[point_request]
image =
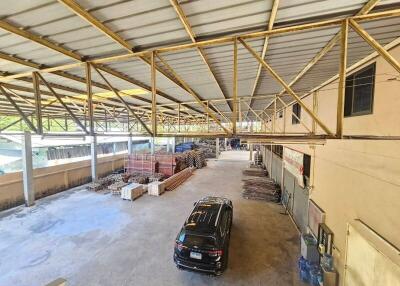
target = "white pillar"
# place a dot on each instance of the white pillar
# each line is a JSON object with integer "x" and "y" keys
{"x": 251, "y": 152}
{"x": 173, "y": 145}
{"x": 217, "y": 147}
{"x": 130, "y": 145}
{"x": 226, "y": 144}
{"x": 152, "y": 145}
{"x": 93, "y": 151}
{"x": 27, "y": 170}
{"x": 168, "y": 147}
{"x": 114, "y": 148}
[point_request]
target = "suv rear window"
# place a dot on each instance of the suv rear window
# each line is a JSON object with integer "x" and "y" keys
{"x": 199, "y": 240}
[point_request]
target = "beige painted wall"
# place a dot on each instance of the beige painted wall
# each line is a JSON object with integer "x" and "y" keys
{"x": 54, "y": 179}
{"x": 358, "y": 178}
{"x": 384, "y": 120}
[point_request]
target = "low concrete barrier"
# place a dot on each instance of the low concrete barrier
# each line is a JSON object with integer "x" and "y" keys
{"x": 54, "y": 179}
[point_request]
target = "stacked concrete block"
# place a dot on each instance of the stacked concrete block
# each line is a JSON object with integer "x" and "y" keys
{"x": 132, "y": 191}
{"x": 156, "y": 188}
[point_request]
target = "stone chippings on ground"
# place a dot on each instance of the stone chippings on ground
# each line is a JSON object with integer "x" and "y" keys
{"x": 97, "y": 239}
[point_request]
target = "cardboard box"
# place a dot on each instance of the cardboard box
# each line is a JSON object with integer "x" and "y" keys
{"x": 330, "y": 277}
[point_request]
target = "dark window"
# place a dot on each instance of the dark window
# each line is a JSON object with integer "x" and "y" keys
{"x": 278, "y": 150}
{"x": 306, "y": 165}
{"x": 224, "y": 222}
{"x": 307, "y": 169}
{"x": 296, "y": 109}
{"x": 360, "y": 92}
{"x": 280, "y": 114}
{"x": 190, "y": 240}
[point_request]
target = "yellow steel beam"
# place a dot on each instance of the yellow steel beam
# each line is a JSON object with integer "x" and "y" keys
{"x": 192, "y": 35}
{"x": 18, "y": 109}
{"x": 235, "y": 86}
{"x": 287, "y": 88}
{"x": 56, "y": 70}
{"x": 40, "y": 40}
{"x": 80, "y": 11}
{"x": 123, "y": 101}
{"x": 194, "y": 95}
{"x": 298, "y": 118}
{"x": 216, "y": 41}
{"x": 58, "y": 97}
{"x": 342, "y": 78}
{"x": 85, "y": 15}
{"x": 332, "y": 42}
{"x": 373, "y": 43}
{"x": 271, "y": 22}
{"x": 38, "y": 102}
{"x": 88, "y": 72}
{"x": 153, "y": 95}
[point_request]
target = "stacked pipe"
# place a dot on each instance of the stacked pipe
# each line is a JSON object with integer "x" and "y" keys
{"x": 176, "y": 180}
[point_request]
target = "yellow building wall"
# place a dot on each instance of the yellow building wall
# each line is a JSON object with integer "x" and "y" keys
{"x": 357, "y": 178}
{"x": 54, "y": 179}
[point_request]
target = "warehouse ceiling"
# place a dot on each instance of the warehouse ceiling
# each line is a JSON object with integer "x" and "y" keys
{"x": 39, "y": 34}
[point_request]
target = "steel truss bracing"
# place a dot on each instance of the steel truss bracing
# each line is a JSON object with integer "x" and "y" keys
{"x": 53, "y": 106}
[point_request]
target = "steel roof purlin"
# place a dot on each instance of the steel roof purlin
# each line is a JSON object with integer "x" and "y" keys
{"x": 203, "y": 70}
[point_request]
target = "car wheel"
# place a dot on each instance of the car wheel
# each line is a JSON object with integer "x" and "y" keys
{"x": 218, "y": 273}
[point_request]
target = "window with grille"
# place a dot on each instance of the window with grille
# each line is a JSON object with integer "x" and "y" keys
{"x": 296, "y": 115}
{"x": 359, "y": 95}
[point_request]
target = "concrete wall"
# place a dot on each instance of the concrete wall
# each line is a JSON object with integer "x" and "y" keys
{"x": 54, "y": 179}
{"x": 357, "y": 178}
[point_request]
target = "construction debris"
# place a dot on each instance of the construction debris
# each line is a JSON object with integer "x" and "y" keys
{"x": 116, "y": 187}
{"x": 155, "y": 183}
{"x": 95, "y": 186}
{"x": 207, "y": 146}
{"x": 255, "y": 172}
{"x": 259, "y": 187}
{"x": 103, "y": 183}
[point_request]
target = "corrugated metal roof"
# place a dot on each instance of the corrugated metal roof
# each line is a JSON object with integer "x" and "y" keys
{"x": 148, "y": 24}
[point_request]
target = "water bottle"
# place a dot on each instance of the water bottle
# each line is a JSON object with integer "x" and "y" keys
{"x": 315, "y": 276}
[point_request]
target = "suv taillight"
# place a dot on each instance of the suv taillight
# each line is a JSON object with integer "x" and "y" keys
{"x": 215, "y": 253}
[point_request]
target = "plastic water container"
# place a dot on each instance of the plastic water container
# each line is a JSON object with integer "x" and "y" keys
{"x": 327, "y": 262}
{"x": 301, "y": 262}
{"x": 304, "y": 269}
{"x": 304, "y": 275}
{"x": 315, "y": 276}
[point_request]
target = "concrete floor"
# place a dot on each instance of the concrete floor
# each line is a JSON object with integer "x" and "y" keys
{"x": 96, "y": 239}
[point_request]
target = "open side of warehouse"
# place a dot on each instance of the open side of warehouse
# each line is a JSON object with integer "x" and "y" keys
{"x": 174, "y": 142}
{"x": 90, "y": 239}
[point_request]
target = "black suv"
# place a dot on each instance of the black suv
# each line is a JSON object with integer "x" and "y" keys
{"x": 203, "y": 242}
